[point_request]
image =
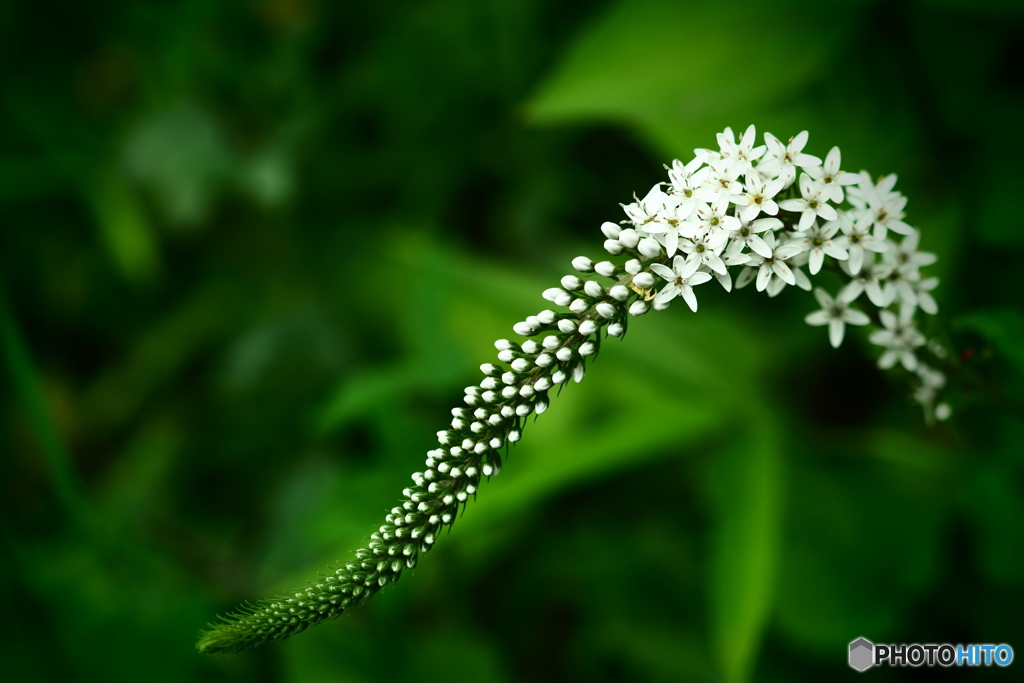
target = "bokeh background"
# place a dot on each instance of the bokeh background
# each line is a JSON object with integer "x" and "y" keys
{"x": 252, "y": 251}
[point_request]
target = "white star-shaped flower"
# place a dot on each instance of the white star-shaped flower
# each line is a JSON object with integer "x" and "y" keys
{"x": 872, "y": 278}
{"x": 715, "y": 216}
{"x": 732, "y": 256}
{"x": 812, "y": 203}
{"x": 758, "y": 196}
{"x": 724, "y": 178}
{"x": 818, "y": 242}
{"x": 672, "y": 223}
{"x": 742, "y": 152}
{"x": 783, "y": 160}
{"x": 867, "y": 194}
{"x": 774, "y": 263}
{"x": 829, "y": 175}
{"x": 858, "y": 240}
{"x": 836, "y": 313}
{"x": 649, "y": 209}
{"x": 690, "y": 180}
{"x": 899, "y": 338}
{"x": 905, "y": 255}
{"x": 922, "y": 292}
{"x": 681, "y": 278}
{"x": 704, "y": 249}
{"x": 747, "y": 233}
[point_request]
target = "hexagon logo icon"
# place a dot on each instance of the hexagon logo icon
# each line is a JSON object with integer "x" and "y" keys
{"x": 862, "y": 654}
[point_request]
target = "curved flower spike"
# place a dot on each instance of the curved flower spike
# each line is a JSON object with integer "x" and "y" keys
{"x": 705, "y": 223}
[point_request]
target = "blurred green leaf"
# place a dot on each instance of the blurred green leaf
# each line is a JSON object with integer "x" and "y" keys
{"x": 992, "y": 500}
{"x": 678, "y": 72}
{"x": 864, "y": 542}
{"x": 748, "y": 482}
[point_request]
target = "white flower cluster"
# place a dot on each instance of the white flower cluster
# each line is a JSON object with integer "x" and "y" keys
{"x": 762, "y": 213}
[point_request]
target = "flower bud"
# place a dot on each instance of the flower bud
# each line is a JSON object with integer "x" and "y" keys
{"x": 593, "y": 289}
{"x": 571, "y": 282}
{"x": 613, "y": 247}
{"x": 649, "y": 247}
{"x": 610, "y": 230}
{"x": 643, "y": 280}
{"x": 638, "y": 307}
{"x": 582, "y": 264}
{"x": 629, "y": 238}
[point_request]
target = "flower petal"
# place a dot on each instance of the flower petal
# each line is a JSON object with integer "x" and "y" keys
{"x": 664, "y": 272}
{"x": 690, "y": 298}
{"x": 817, "y": 318}
{"x": 783, "y": 271}
{"x": 835, "y": 332}
{"x": 759, "y": 246}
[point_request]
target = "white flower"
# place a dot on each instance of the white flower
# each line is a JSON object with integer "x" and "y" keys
{"x": 732, "y": 256}
{"x": 649, "y": 209}
{"x": 682, "y": 278}
{"x": 890, "y": 216}
{"x": 747, "y": 232}
{"x": 689, "y": 181}
{"x": 758, "y": 197}
{"x": 858, "y": 239}
{"x": 742, "y": 153}
{"x": 672, "y": 224}
{"x": 881, "y": 203}
{"x": 873, "y": 279}
{"x": 715, "y": 216}
{"x": 704, "y": 249}
{"x": 922, "y": 292}
{"x": 905, "y": 255}
{"x": 783, "y": 160}
{"x": 774, "y": 263}
{"x": 899, "y": 338}
{"x": 724, "y": 177}
{"x": 777, "y": 284}
{"x": 813, "y": 202}
{"x": 829, "y": 175}
{"x": 865, "y": 194}
{"x": 835, "y": 313}
{"x": 818, "y": 242}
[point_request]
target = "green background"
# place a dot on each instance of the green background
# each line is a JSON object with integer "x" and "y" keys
{"x": 250, "y": 252}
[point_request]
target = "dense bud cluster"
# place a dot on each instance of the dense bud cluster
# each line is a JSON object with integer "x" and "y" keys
{"x": 761, "y": 213}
